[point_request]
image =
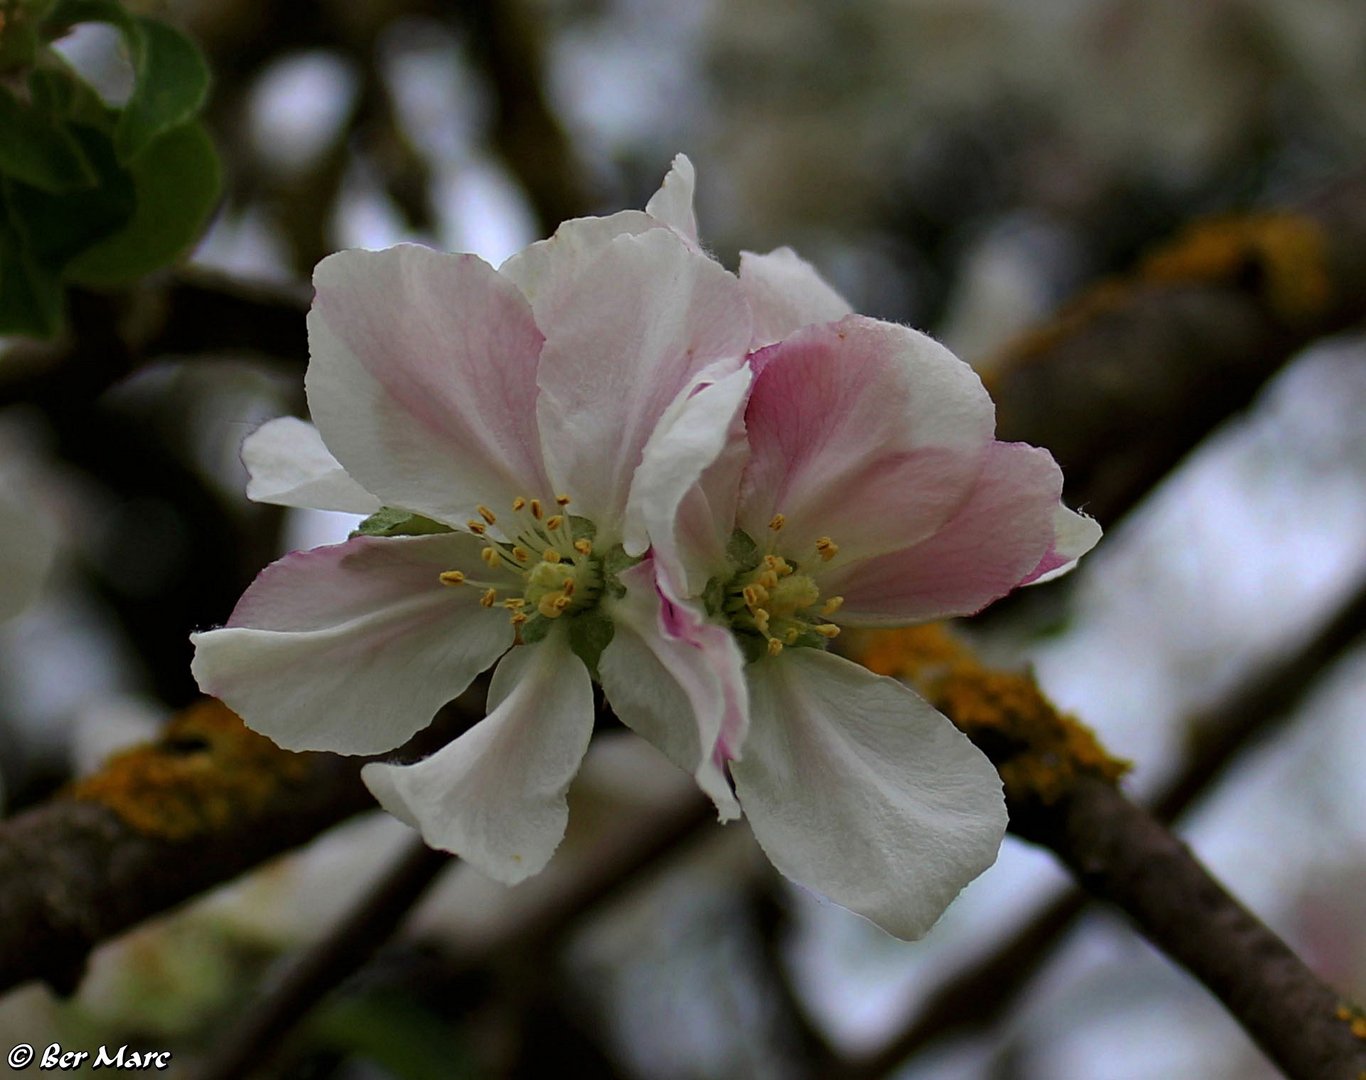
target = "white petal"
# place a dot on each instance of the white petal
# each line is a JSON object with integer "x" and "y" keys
{"x": 636, "y": 329}
{"x": 678, "y": 681}
{"x": 672, "y": 203}
{"x": 545, "y": 269}
{"x": 422, "y": 379}
{"x": 1073, "y": 536}
{"x": 288, "y": 465}
{"x": 786, "y": 293}
{"x": 858, "y": 789}
{"x": 496, "y": 795}
{"x": 682, "y": 500}
{"x": 352, "y": 648}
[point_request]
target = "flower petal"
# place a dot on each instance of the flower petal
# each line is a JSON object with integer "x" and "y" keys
{"x": 993, "y": 543}
{"x": 858, "y": 789}
{"x": 288, "y": 465}
{"x": 545, "y": 269}
{"x": 863, "y": 431}
{"x": 672, "y": 203}
{"x": 496, "y": 795}
{"x": 786, "y": 293}
{"x": 422, "y": 379}
{"x": 678, "y": 681}
{"x": 1073, "y": 536}
{"x": 352, "y": 648}
{"x": 635, "y": 330}
{"x": 682, "y": 501}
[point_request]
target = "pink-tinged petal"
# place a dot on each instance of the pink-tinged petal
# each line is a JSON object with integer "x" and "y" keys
{"x": 858, "y": 789}
{"x": 288, "y": 465}
{"x": 1073, "y": 536}
{"x": 636, "y": 329}
{"x": 422, "y": 379}
{"x": 352, "y": 648}
{"x": 863, "y": 431}
{"x": 496, "y": 795}
{"x": 545, "y": 269}
{"x": 989, "y": 547}
{"x": 678, "y": 681}
{"x": 672, "y": 203}
{"x": 682, "y": 501}
{"x": 785, "y": 293}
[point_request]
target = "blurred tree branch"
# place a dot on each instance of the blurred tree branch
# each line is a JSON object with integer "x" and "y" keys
{"x": 1136, "y": 371}
{"x": 1061, "y": 792}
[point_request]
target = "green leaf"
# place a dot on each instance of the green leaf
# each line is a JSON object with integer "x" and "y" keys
{"x": 30, "y": 298}
{"x": 175, "y": 185}
{"x": 389, "y": 521}
{"x": 39, "y": 150}
{"x": 56, "y": 227}
{"x": 400, "y": 1036}
{"x": 56, "y": 89}
{"x": 172, "y": 83}
{"x": 172, "y": 79}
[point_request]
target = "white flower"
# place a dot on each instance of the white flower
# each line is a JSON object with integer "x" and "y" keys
{"x": 492, "y": 422}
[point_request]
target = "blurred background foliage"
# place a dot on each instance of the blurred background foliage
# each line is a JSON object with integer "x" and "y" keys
{"x": 960, "y": 165}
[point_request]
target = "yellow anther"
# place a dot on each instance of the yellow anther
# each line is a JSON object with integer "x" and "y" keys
{"x": 486, "y": 514}
{"x": 562, "y": 500}
{"x": 829, "y": 630}
{"x": 777, "y": 522}
{"x": 515, "y": 603}
{"x": 452, "y": 577}
{"x": 536, "y": 510}
{"x": 490, "y": 556}
{"x": 476, "y": 527}
{"x": 518, "y": 503}
{"x": 521, "y": 554}
{"x": 553, "y": 605}
{"x": 768, "y": 579}
{"x": 583, "y": 547}
{"x": 518, "y": 618}
{"x": 826, "y": 548}
{"x": 550, "y": 555}
{"x": 774, "y": 646}
{"x": 791, "y": 634}
{"x": 490, "y": 595}
{"x": 554, "y": 522}
{"x": 569, "y": 587}
{"x": 754, "y": 595}
{"x": 761, "y": 620}
{"x": 832, "y": 605}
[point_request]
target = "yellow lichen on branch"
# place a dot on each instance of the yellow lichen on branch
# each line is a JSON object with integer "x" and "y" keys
{"x": 1285, "y": 253}
{"x": 1039, "y": 751}
{"x": 206, "y": 774}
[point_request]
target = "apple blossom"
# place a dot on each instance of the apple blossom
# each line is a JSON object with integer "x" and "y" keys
{"x": 490, "y": 423}
{"x": 861, "y": 485}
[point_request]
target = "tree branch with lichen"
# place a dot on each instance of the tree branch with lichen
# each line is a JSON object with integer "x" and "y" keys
{"x": 1062, "y": 792}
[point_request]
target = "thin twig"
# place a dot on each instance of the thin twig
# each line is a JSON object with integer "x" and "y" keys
{"x": 250, "y": 1044}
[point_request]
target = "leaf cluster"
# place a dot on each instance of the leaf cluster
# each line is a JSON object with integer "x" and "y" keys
{"x": 94, "y": 194}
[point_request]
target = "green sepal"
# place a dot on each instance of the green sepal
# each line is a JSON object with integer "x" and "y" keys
{"x": 590, "y": 632}
{"x": 581, "y": 528}
{"x": 535, "y": 629}
{"x": 714, "y": 597}
{"x": 175, "y": 184}
{"x": 742, "y": 551}
{"x": 38, "y": 150}
{"x": 391, "y": 521}
{"x": 615, "y": 563}
{"x": 752, "y": 646}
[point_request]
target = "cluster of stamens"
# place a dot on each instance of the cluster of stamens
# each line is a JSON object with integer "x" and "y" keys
{"x": 558, "y": 572}
{"x": 778, "y": 601}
